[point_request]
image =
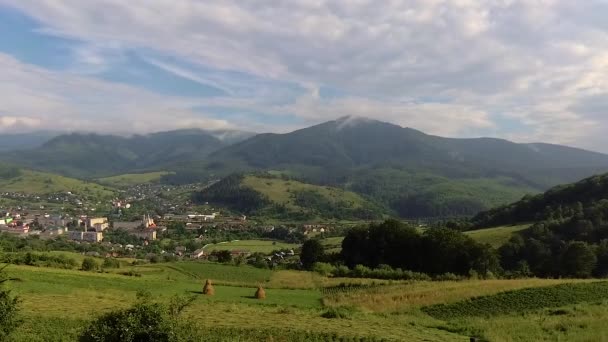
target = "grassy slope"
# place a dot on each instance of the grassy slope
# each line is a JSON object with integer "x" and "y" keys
{"x": 34, "y": 182}
{"x": 253, "y": 246}
{"x": 497, "y": 236}
{"x": 281, "y": 191}
{"x": 130, "y": 179}
{"x": 391, "y": 311}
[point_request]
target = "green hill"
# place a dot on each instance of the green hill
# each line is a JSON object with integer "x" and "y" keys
{"x": 271, "y": 197}
{"x": 130, "y": 179}
{"x": 34, "y": 182}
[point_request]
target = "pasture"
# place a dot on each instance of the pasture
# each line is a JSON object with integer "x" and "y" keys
{"x": 253, "y": 246}
{"x": 131, "y": 179}
{"x": 497, "y": 236}
{"x": 304, "y": 306}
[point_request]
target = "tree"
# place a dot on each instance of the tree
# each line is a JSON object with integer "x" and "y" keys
{"x": 89, "y": 264}
{"x": 312, "y": 251}
{"x": 9, "y": 320}
{"x": 578, "y": 260}
{"x": 223, "y": 256}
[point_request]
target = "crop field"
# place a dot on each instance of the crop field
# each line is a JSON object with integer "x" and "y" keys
{"x": 253, "y": 246}
{"x": 130, "y": 179}
{"x": 497, "y": 236}
{"x": 304, "y": 306}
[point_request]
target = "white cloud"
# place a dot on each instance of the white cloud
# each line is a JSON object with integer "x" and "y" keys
{"x": 34, "y": 98}
{"x": 444, "y": 66}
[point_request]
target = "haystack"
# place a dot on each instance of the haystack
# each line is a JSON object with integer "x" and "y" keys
{"x": 260, "y": 293}
{"x": 208, "y": 289}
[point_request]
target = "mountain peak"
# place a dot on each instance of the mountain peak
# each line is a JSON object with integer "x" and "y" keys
{"x": 350, "y": 121}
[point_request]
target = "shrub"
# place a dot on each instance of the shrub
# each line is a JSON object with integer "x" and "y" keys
{"x": 89, "y": 264}
{"x": 110, "y": 263}
{"x": 323, "y": 268}
{"x": 8, "y": 309}
{"x": 143, "y": 322}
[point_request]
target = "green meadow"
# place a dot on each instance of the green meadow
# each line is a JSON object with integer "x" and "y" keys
{"x": 303, "y": 306}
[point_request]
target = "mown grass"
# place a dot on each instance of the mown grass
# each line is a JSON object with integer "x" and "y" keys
{"x": 497, "y": 236}
{"x": 521, "y": 301}
{"x": 253, "y": 246}
{"x": 413, "y": 295}
{"x": 131, "y": 179}
{"x": 73, "y": 297}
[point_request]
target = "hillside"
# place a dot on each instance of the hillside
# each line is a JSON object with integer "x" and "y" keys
{"x": 560, "y": 202}
{"x": 34, "y": 182}
{"x": 265, "y": 196}
{"x": 130, "y": 179}
{"x": 93, "y": 155}
{"x": 415, "y": 174}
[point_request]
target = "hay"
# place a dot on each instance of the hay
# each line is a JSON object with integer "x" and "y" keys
{"x": 260, "y": 293}
{"x": 208, "y": 289}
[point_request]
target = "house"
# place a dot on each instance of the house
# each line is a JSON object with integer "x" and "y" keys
{"x": 17, "y": 229}
{"x": 197, "y": 254}
{"x": 146, "y": 234}
{"x": 180, "y": 250}
{"x": 98, "y": 223}
{"x": 86, "y": 236}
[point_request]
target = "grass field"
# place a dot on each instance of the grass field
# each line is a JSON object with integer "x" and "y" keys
{"x": 34, "y": 182}
{"x": 130, "y": 179}
{"x": 496, "y": 236}
{"x": 57, "y": 303}
{"x": 253, "y": 246}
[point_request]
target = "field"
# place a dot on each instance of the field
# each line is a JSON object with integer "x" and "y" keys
{"x": 303, "y": 306}
{"x": 34, "y": 182}
{"x": 253, "y": 246}
{"x": 130, "y": 179}
{"x": 497, "y": 236}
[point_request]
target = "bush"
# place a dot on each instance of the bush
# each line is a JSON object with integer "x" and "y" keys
{"x": 110, "y": 263}
{"x": 89, "y": 264}
{"x": 323, "y": 268}
{"x": 142, "y": 322}
{"x": 8, "y": 308}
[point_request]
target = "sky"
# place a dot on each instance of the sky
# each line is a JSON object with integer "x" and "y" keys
{"x": 523, "y": 70}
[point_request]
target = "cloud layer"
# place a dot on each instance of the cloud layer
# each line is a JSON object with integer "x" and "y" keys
{"x": 524, "y": 70}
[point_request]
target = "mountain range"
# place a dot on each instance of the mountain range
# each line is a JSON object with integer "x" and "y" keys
{"x": 412, "y": 174}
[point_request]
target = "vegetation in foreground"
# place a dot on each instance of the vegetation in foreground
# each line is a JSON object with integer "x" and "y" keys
{"x": 311, "y": 308}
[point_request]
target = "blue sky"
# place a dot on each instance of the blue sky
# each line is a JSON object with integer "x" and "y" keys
{"x": 521, "y": 70}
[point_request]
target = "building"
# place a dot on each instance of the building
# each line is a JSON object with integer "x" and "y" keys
{"x": 146, "y": 234}
{"x": 12, "y": 228}
{"x": 53, "y": 232}
{"x": 98, "y": 223}
{"x": 86, "y": 236}
{"x": 197, "y": 254}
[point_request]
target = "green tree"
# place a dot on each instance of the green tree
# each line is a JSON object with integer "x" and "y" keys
{"x": 578, "y": 260}
{"x": 223, "y": 256}
{"x": 9, "y": 319}
{"x": 89, "y": 264}
{"x": 312, "y": 251}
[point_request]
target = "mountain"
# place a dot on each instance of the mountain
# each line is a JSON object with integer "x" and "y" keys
{"x": 559, "y": 203}
{"x": 271, "y": 197}
{"x": 23, "y": 141}
{"x": 93, "y": 155}
{"x": 415, "y": 174}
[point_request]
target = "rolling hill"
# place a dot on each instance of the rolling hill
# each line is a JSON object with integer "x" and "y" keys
{"x": 265, "y": 196}
{"x": 130, "y": 179}
{"x": 13, "y": 179}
